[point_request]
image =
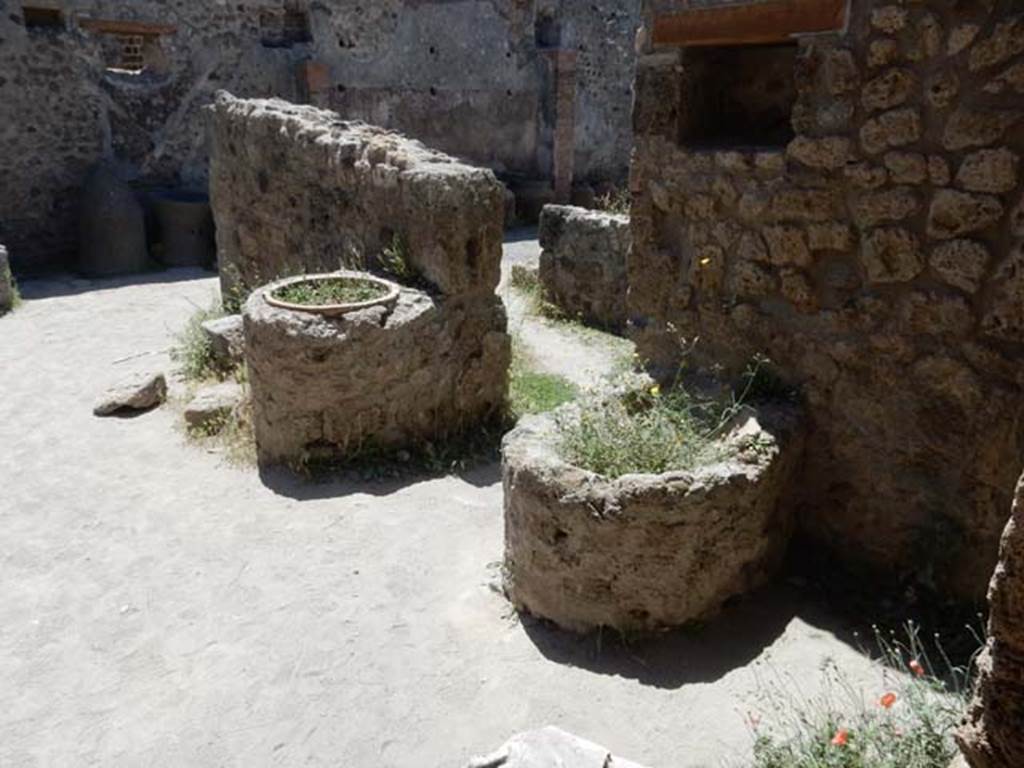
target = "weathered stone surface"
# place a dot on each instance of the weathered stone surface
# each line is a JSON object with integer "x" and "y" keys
{"x": 829, "y": 152}
{"x": 991, "y": 736}
{"x": 889, "y": 18}
{"x": 6, "y": 282}
{"x": 325, "y": 387}
{"x": 339, "y": 194}
{"x": 1006, "y": 41}
{"x": 942, "y": 88}
{"x": 892, "y": 255}
{"x": 583, "y": 264}
{"x": 550, "y": 748}
{"x": 786, "y": 245}
{"x": 226, "y": 336}
{"x": 891, "y": 129}
{"x": 210, "y": 407}
{"x": 1004, "y": 318}
{"x": 967, "y": 128}
{"x": 906, "y": 167}
{"x": 888, "y": 90}
{"x": 643, "y": 551}
{"x": 137, "y": 392}
{"x": 961, "y": 37}
{"x": 954, "y": 214}
{"x": 961, "y": 263}
{"x": 989, "y": 170}
{"x": 112, "y": 234}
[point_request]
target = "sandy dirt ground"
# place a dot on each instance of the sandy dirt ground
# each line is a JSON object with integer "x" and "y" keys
{"x": 160, "y": 607}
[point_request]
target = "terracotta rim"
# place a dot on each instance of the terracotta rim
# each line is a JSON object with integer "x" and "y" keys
{"x": 387, "y": 299}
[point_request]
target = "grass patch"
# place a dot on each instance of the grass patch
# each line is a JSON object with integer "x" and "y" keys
{"x": 616, "y": 200}
{"x": 644, "y": 432}
{"x": 332, "y": 290}
{"x": 908, "y": 721}
{"x": 231, "y": 435}
{"x": 526, "y": 280}
{"x": 192, "y": 350}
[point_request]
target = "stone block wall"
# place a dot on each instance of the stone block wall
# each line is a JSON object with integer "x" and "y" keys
{"x": 877, "y": 258}
{"x": 470, "y": 77}
{"x": 296, "y": 189}
{"x": 583, "y": 263}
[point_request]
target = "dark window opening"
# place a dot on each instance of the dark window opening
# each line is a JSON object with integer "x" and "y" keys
{"x": 288, "y": 26}
{"x": 134, "y": 54}
{"x": 738, "y": 96}
{"x": 547, "y": 31}
{"x": 42, "y": 18}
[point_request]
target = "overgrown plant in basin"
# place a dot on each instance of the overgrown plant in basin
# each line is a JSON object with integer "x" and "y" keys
{"x": 907, "y": 721}
{"x": 326, "y": 291}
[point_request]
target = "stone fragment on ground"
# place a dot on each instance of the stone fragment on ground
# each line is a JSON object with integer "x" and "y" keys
{"x": 137, "y": 392}
{"x": 227, "y": 340}
{"x": 550, "y": 747}
{"x": 211, "y": 406}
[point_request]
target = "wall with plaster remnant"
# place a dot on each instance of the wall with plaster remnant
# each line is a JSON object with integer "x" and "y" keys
{"x": 472, "y": 77}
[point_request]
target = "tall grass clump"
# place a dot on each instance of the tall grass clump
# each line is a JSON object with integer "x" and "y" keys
{"x": 907, "y": 721}
{"x": 192, "y": 350}
{"x": 532, "y": 391}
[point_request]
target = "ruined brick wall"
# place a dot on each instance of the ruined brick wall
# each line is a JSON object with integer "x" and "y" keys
{"x": 876, "y": 258}
{"x": 65, "y": 104}
{"x": 469, "y": 77}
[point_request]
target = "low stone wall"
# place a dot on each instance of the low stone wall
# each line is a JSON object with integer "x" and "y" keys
{"x": 296, "y": 189}
{"x": 644, "y": 551}
{"x": 6, "y": 282}
{"x": 992, "y": 735}
{"x": 583, "y": 264}
{"x": 324, "y": 388}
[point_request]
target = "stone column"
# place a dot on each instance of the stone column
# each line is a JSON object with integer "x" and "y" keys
{"x": 992, "y": 735}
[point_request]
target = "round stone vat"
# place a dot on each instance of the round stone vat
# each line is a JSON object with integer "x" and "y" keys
{"x": 186, "y": 229}
{"x": 643, "y": 552}
{"x": 329, "y": 387}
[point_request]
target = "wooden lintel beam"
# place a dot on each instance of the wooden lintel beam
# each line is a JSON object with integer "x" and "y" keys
{"x": 119, "y": 27}
{"x": 749, "y": 23}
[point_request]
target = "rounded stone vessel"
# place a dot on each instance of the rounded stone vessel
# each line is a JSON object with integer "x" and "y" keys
{"x": 643, "y": 552}
{"x": 394, "y": 374}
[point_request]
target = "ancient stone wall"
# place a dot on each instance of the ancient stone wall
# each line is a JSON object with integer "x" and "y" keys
{"x": 296, "y": 189}
{"x": 876, "y": 258}
{"x": 583, "y": 264}
{"x": 991, "y": 736}
{"x": 6, "y": 283}
{"x": 84, "y": 80}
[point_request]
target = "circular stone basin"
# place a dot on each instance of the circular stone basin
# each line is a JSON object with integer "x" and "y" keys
{"x": 332, "y": 294}
{"x": 643, "y": 552}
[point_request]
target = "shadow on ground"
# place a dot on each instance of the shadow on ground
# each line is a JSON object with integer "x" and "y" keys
{"x": 68, "y": 284}
{"x": 301, "y": 487}
{"x": 698, "y": 654}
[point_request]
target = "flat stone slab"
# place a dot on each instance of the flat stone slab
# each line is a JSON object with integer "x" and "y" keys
{"x": 550, "y": 747}
{"x": 137, "y": 392}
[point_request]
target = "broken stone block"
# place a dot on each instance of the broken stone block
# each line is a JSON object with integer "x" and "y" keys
{"x": 227, "y": 340}
{"x": 550, "y": 748}
{"x": 112, "y": 232}
{"x": 211, "y": 406}
{"x": 583, "y": 264}
{"x": 137, "y": 392}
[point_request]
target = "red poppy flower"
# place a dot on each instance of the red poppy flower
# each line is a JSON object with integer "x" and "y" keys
{"x": 842, "y": 736}
{"x": 916, "y": 668}
{"x": 887, "y": 700}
